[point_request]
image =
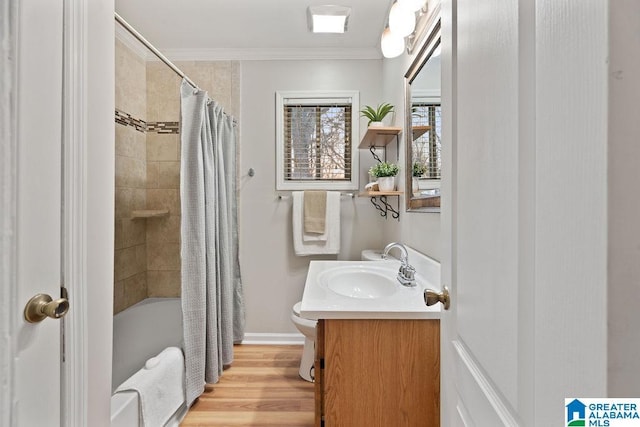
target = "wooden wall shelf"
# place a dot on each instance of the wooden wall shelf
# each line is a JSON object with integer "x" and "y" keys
{"x": 418, "y": 131}
{"x": 379, "y": 136}
{"x": 380, "y": 193}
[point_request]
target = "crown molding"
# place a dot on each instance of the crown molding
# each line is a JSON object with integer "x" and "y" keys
{"x": 133, "y": 44}
{"x": 277, "y": 54}
{"x": 246, "y": 54}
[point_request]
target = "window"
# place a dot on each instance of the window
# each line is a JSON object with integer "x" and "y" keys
{"x": 315, "y": 135}
{"x": 427, "y": 148}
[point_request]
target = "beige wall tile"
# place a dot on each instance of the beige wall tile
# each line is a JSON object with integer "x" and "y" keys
{"x": 133, "y": 232}
{"x": 141, "y": 258}
{"x": 135, "y": 289}
{"x": 118, "y": 235}
{"x": 164, "y": 256}
{"x": 130, "y": 90}
{"x": 140, "y": 145}
{"x": 124, "y": 264}
{"x": 165, "y": 284}
{"x": 139, "y": 200}
{"x": 164, "y": 199}
{"x": 163, "y": 230}
{"x": 124, "y": 140}
{"x": 152, "y": 174}
{"x": 119, "y": 302}
{"x": 169, "y": 175}
{"x": 162, "y": 147}
{"x": 130, "y": 142}
{"x": 124, "y": 202}
{"x": 131, "y": 172}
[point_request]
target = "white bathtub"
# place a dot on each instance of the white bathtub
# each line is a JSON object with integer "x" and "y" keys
{"x": 139, "y": 333}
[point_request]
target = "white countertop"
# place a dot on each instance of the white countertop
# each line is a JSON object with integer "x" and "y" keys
{"x": 320, "y": 302}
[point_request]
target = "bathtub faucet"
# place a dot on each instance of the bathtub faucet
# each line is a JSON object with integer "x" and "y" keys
{"x": 406, "y": 274}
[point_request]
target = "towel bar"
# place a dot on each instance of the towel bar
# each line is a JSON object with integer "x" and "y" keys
{"x": 288, "y": 196}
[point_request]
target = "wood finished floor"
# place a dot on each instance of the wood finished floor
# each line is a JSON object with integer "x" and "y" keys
{"x": 261, "y": 388}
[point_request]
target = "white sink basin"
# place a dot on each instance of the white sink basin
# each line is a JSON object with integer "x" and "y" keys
{"x": 359, "y": 282}
{"x": 367, "y": 290}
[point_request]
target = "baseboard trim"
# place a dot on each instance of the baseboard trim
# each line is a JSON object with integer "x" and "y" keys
{"x": 260, "y": 338}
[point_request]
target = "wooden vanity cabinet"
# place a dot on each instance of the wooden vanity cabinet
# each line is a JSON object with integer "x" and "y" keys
{"x": 371, "y": 372}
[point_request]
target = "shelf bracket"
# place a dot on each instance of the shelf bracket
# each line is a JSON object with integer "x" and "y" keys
{"x": 372, "y": 150}
{"x": 384, "y": 207}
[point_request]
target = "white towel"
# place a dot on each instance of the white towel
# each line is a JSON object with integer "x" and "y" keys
{"x": 326, "y": 243}
{"x": 160, "y": 385}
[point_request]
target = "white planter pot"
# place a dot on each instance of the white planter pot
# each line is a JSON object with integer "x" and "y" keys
{"x": 387, "y": 183}
{"x": 376, "y": 124}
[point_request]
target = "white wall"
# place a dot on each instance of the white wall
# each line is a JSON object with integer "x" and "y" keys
{"x": 272, "y": 275}
{"x": 623, "y": 203}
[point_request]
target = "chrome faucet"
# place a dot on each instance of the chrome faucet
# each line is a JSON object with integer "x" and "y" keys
{"x": 406, "y": 274}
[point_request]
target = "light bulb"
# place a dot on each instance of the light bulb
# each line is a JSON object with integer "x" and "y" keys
{"x": 412, "y": 5}
{"x": 391, "y": 44}
{"x": 402, "y": 21}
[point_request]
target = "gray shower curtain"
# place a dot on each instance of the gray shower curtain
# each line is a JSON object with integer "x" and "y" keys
{"x": 212, "y": 299}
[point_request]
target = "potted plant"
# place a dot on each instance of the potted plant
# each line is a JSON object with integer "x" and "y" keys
{"x": 418, "y": 170}
{"x": 376, "y": 115}
{"x": 386, "y": 173}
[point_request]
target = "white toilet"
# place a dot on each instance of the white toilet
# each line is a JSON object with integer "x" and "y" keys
{"x": 308, "y": 327}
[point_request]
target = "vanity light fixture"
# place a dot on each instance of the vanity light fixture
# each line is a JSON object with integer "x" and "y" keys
{"x": 391, "y": 44}
{"x": 402, "y": 23}
{"x": 328, "y": 18}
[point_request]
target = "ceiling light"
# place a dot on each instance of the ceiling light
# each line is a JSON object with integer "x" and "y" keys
{"x": 328, "y": 18}
{"x": 411, "y": 5}
{"x": 402, "y": 21}
{"x": 391, "y": 44}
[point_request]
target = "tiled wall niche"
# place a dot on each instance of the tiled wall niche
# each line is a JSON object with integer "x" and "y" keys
{"x": 147, "y": 255}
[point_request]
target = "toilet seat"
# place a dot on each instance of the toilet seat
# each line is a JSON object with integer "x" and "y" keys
{"x": 296, "y": 308}
{"x": 295, "y": 312}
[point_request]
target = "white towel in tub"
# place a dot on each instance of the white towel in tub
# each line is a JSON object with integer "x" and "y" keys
{"x": 160, "y": 385}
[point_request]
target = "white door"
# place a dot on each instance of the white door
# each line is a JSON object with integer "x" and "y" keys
{"x": 38, "y": 214}
{"x": 524, "y": 209}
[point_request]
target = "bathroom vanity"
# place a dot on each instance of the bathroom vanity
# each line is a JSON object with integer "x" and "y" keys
{"x": 377, "y": 359}
{"x": 377, "y": 372}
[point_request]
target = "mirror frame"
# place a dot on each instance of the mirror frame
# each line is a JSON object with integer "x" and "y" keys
{"x": 427, "y": 49}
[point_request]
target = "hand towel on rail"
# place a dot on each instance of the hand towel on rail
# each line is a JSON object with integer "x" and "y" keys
{"x": 160, "y": 385}
{"x": 315, "y": 212}
{"x": 331, "y": 244}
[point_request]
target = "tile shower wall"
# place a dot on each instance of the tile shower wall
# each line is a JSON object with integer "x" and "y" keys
{"x": 130, "y": 257}
{"x": 221, "y": 79}
{"x": 147, "y": 251}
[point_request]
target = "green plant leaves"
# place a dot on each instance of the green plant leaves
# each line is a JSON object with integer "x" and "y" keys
{"x": 377, "y": 114}
{"x": 383, "y": 169}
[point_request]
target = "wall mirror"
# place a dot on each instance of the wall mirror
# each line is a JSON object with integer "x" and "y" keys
{"x": 423, "y": 127}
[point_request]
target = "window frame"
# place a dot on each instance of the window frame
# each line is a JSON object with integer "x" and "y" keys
{"x": 314, "y": 98}
{"x": 429, "y": 97}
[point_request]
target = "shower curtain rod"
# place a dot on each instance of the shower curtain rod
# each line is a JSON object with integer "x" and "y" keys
{"x": 155, "y": 51}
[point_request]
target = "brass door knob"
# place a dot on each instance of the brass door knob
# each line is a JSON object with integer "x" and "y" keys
{"x": 431, "y": 297}
{"x": 42, "y": 306}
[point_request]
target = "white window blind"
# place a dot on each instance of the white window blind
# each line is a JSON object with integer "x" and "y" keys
{"x": 315, "y": 141}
